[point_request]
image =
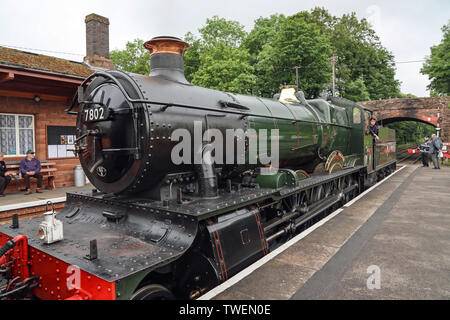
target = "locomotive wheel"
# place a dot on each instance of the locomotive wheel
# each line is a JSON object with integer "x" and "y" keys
{"x": 318, "y": 194}
{"x": 348, "y": 181}
{"x": 294, "y": 202}
{"x": 328, "y": 189}
{"x": 290, "y": 203}
{"x": 153, "y": 292}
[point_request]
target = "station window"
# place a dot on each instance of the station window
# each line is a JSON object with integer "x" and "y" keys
{"x": 356, "y": 115}
{"x": 16, "y": 134}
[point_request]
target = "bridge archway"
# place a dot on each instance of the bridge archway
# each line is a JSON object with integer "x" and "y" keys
{"x": 409, "y": 131}
{"x": 423, "y": 110}
{"x": 401, "y": 119}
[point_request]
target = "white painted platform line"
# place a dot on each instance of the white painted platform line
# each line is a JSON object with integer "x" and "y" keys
{"x": 31, "y": 204}
{"x": 247, "y": 271}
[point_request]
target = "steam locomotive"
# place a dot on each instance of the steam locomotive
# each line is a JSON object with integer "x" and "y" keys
{"x": 156, "y": 227}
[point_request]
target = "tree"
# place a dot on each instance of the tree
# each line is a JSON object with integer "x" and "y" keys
{"x": 437, "y": 65}
{"x": 406, "y": 95}
{"x": 217, "y": 60}
{"x": 284, "y": 43}
{"x": 134, "y": 58}
{"x": 225, "y": 68}
{"x": 260, "y": 44}
{"x": 360, "y": 54}
{"x": 191, "y": 56}
{"x": 219, "y": 30}
{"x": 263, "y": 32}
{"x": 356, "y": 91}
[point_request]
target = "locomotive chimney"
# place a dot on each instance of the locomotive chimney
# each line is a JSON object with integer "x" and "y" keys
{"x": 166, "y": 58}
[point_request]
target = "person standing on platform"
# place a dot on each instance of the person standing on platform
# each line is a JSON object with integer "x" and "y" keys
{"x": 31, "y": 167}
{"x": 424, "y": 149}
{"x": 436, "y": 146}
{"x": 4, "y": 176}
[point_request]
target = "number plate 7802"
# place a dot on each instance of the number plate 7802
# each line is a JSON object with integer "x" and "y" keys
{"x": 95, "y": 114}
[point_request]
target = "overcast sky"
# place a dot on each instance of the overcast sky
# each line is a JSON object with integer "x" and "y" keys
{"x": 408, "y": 28}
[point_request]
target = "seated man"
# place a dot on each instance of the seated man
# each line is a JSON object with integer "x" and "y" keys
{"x": 4, "y": 176}
{"x": 30, "y": 167}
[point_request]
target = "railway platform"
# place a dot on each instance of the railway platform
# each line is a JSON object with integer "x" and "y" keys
{"x": 393, "y": 242}
{"x": 28, "y": 206}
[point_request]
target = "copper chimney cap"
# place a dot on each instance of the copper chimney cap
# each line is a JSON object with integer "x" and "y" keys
{"x": 166, "y": 45}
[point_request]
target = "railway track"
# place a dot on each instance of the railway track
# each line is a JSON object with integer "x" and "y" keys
{"x": 403, "y": 157}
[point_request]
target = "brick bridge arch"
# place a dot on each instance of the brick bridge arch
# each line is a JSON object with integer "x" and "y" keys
{"x": 413, "y": 109}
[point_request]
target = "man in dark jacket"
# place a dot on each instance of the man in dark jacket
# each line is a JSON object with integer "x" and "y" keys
{"x": 436, "y": 146}
{"x": 31, "y": 167}
{"x": 4, "y": 176}
{"x": 424, "y": 149}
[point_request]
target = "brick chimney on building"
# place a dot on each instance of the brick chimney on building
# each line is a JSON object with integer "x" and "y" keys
{"x": 97, "y": 42}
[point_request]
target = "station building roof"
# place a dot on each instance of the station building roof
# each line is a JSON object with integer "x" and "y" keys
{"x": 38, "y": 62}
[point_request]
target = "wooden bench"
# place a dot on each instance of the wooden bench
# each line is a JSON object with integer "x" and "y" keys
{"x": 48, "y": 171}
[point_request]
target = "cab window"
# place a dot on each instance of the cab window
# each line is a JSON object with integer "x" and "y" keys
{"x": 367, "y": 116}
{"x": 356, "y": 115}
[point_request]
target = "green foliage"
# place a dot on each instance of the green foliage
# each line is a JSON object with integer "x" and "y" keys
{"x": 260, "y": 43}
{"x": 224, "y": 68}
{"x": 437, "y": 66}
{"x": 356, "y": 91}
{"x": 360, "y": 54}
{"x": 293, "y": 42}
{"x": 406, "y": 95}
{"x": 263, "y": 32}
{"x": 411, "y": 132}
{"x": 191, "y": 56}
{"x": 135, "y": 58}
{"x": 216, "y": 60}
{"x": 221, "y": 31}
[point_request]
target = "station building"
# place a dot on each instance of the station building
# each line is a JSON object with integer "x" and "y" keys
{"x": 35, "y": 90}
